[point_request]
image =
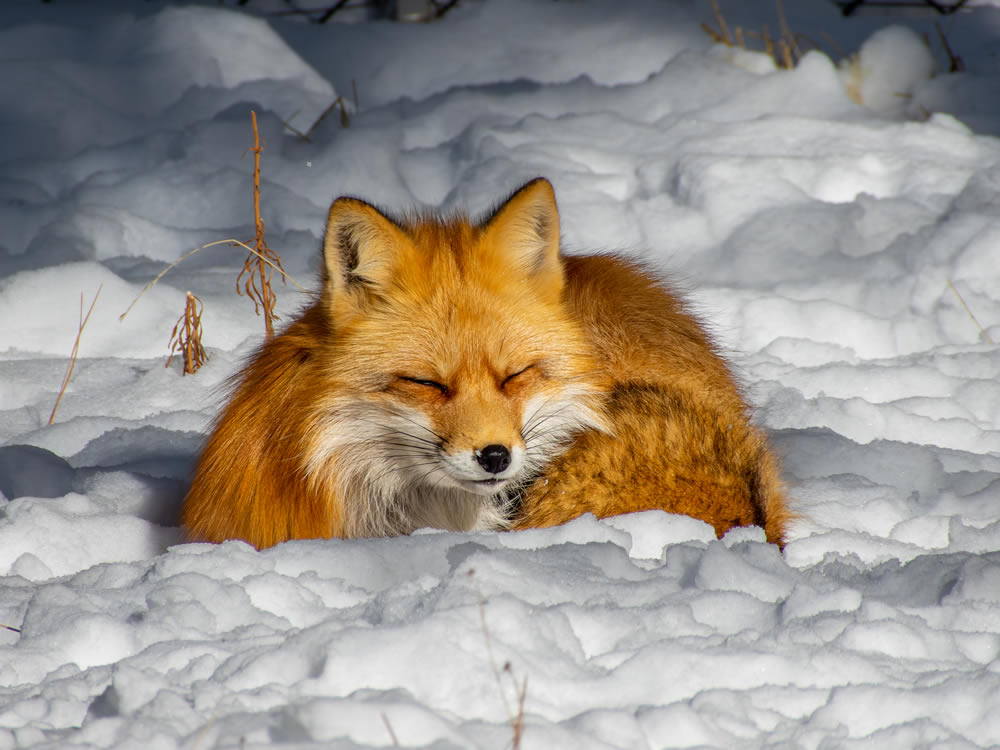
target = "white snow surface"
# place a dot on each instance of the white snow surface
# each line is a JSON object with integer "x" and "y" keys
{"x": 825, "y": 243}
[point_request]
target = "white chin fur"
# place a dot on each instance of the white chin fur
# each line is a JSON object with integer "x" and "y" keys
{"x": 389, "y": 467}
{"x": 486, "y": 488}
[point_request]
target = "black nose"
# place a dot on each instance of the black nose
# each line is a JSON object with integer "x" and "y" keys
{"x": 493, "y": 458}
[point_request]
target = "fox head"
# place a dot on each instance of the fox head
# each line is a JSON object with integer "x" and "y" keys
{"x": 453, "y": 367}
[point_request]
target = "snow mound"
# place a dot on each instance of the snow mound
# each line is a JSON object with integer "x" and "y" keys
{"x": 891, "y": 64}
{"x": 843, "y": 255}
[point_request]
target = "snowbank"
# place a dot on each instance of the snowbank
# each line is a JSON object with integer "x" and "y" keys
{"x": 832, "y": 247}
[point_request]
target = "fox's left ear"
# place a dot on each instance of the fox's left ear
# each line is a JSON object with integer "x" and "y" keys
{"x": 526, "y": 230}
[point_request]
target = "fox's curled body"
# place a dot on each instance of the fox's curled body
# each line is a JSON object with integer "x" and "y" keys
{"x": 468, "y": 376}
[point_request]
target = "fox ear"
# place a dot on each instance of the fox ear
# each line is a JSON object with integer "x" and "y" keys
{"x": 525, "y": 230}
{"x": 359, "y": 249}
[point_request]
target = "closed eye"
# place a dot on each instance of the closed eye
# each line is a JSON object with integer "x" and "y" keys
{"x": 514, "y": 375}
{"x": 426, "y": 383}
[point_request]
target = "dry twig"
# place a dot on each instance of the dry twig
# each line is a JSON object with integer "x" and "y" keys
{"x": 955, "y": 63}
{"x": 232, "y": 243}
{"x": 516, "y": 720}
{"x": 847, "y": 7}
{"x": 324, "y": 14}
{"x": 785, "y": 50}
{"x": 288, "y": 124}
{"x": 440, "y": 8}
{"x": 338, "y": 103}
{"x": 258, "y": 282}
{"x": 978, "y": 325}
{"x": 794, "y": 54}
{"x": 723, "y": 34}
{"x": 330, "y": 11}
{"x": 392, "y": 734}
{"x": 187, "y": 339}
{"x": 71, "y": 365}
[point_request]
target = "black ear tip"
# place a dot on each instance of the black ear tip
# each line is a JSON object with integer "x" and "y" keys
{"x": 538, "y": 189}
{"x": 349, "y": 200}
{"x": 537, "y": 182}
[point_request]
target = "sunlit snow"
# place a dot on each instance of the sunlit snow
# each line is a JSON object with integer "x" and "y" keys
{"x": 836, "y": 225}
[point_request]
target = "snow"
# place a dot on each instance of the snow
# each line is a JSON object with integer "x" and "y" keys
{"x": 825, "y": 239}
{"x": 888, "y": 68}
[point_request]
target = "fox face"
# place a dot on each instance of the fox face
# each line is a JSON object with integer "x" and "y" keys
{"x": 453, "y": 371}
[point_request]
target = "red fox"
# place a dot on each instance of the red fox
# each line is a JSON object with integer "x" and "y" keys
{"x": 468, "y": 376}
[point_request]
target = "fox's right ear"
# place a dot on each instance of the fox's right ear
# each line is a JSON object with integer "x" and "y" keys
{"x": 359, "y": 250}
{"x": 526, "y": 230}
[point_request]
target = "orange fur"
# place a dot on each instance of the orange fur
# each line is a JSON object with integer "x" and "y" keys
{"x": 680, "y": 437}
{"x": 468, "y": 376}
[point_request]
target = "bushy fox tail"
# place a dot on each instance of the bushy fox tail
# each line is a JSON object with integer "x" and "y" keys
{"x": 667, "y": 451}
